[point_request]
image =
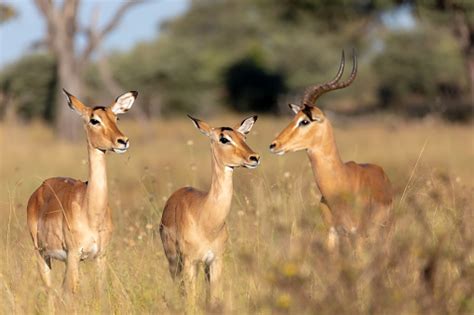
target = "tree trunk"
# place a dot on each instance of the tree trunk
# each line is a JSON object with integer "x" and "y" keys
{"x": 68, "y": 123}
{"x": 61, "y": 21}
{"x": 470, "y": 69}
{"x": 464, "y": 31}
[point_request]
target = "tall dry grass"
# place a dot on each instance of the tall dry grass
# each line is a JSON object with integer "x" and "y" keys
{"x": 276, "y": 260}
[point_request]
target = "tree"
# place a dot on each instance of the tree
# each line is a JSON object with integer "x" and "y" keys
{"x": 28, "y": 86}
{"x": 419, "y": 71}
{"x": 188, "y": 63}
{"x": 188, "y": 67}
{"x": 250, "y": 87}
{"x": 63, "y": 30}
{"x": 459, "y": 15}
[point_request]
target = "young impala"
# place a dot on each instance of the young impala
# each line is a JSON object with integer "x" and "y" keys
{"x": 354, "y": 196}
{"x": 69, "y": 219}
{"x": 193, "y": 228}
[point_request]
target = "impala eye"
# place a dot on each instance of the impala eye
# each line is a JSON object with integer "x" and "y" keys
{"x": 94, "y": 122}
{"x": 224, "y": 140}
{"x": 304, "y": 122}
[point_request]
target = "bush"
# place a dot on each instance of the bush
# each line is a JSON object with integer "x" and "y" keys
{"x": 251, "y": 87}
{"x": 31, "y": 84}
{"x": 415, "y": 70}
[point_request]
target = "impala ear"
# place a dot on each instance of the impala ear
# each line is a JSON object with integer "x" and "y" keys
{"x": 202, "y": 126}
{"x": 295, "y": 108}
{"x": 75, "y": 104}
{"x": 124, "y": 102}
{"x": 246, "y": 125}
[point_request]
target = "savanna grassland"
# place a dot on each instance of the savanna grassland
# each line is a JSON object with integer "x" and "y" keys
{"x": 276, "y": 261}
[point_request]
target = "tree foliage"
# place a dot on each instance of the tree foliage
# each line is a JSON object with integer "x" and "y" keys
{"x": 31, "y": 85}
{"x": 188, "y": 62}
{"x": 251, "y": 88}
{"x": 63, "y": 30}
{"x": 418, "y": 67}
{"x": 256, "y": 55}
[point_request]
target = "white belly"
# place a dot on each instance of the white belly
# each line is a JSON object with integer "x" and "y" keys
{"x": 90, "y": 252}
{"x": 208, "y": 257}
{"x": 58, "y": 254}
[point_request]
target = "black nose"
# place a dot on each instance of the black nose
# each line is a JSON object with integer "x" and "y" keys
{"x": 254, "y": 158}
{"x": 123, "y": 141}
{"x": 273, "y": 145}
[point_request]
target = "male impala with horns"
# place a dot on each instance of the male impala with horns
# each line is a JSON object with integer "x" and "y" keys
{"x": 356, "y": 198}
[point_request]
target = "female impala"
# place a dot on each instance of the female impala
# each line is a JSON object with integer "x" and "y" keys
{"x": 354, "y": 196}
{"x": 193, "y": 228}
{"x": 68, "y": 219}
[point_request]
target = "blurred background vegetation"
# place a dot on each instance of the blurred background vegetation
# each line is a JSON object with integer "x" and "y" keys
{"x": 416, "y": 58}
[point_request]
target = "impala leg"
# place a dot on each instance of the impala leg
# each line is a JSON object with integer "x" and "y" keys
{"x": 44, "y": 268}
{"x": 333, "y": 239}
{"x": 101, "y": 282}
{"x": 381, "y": 225}
{"x": 71, "y": 281}
{"x": 326, "y": 213}
{"x": 175, "y": 267}
{"x": 71, "y": 278}
{"x": 214, "y": 272}
{"x": 101, "y": 269}
{"x": 189, "y": 282}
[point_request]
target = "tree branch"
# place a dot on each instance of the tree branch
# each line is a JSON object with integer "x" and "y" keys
{"x": 69, "y": 15}
{"x": 461, "y": 27}
{"x": 107, "y": 76}
{"x": 48, "y": 11}
{"x": 45, "y": 7}
{"x": 115, "y": 20}
{"x": 95, "y": 37}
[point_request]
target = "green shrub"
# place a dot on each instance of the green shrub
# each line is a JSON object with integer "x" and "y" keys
{"x": 31, "y": 84}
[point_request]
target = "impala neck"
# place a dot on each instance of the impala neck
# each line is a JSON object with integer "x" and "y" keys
{"x": 219, "y": 197}
{"x": 328, "y": 168}
{"x": 96, "y": 193}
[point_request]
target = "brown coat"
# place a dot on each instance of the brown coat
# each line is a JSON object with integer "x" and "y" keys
{"x": 70, "y": 220}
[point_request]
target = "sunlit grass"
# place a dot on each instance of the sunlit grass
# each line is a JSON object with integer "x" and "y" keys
{"x": 276, "y": 261}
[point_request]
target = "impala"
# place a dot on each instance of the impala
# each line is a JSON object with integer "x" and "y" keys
{"x": 70, "y": 220}
{"x": 193, "y": 228}
{"x": 355, "y": 197}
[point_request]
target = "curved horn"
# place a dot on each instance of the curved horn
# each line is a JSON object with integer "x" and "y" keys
{"x": 313, "y": 92}
{"x": 340, "y": 71}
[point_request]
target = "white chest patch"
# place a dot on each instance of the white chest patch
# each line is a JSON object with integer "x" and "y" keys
{"x": 208, "y": 258}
